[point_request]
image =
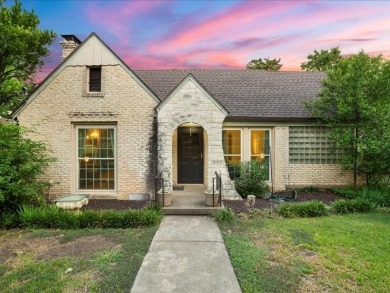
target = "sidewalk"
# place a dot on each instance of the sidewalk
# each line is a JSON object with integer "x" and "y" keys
{"x": 188, "y": 255}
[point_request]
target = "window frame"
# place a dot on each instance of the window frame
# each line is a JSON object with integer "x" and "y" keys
{"x": 77, "y": 163}
{"x": 246, "y": 153}
{"x": 241, "y": 145}
{"x": 265, "y": 155}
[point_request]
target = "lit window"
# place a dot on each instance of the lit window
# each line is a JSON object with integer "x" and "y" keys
{"x": 95, "y": 79}
{"x": 96, "y": 158}
{"x": 231, "y": 141}
{"x": 260, "y": 148}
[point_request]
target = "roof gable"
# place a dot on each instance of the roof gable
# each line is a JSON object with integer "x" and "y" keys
{"x": 191, "y": 78}
{"x": 103, "y": 55}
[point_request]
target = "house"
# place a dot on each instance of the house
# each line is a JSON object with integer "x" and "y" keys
{"x": 112, "y": 129}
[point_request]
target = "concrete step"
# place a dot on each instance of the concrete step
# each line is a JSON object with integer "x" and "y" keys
{"x": 190, "y": 211}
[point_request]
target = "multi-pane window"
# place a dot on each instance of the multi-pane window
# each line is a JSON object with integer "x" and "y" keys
{"x": 246, "y": 144}
{"x": 310, "y": 145}
{"x": 95, "y": 79}
{"x": 96, "y": 158}
{"x": 260, "y": 148}
{"x": 231, "y": 142}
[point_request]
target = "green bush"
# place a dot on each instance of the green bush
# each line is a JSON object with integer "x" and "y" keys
{"x": 358, "y": 205}
{"x": 9, "y": 220}
{"x": 21, "y": 162}
{"x": 346, "y": 192}
{"x": 50, "y": 216}
{"x": 224, "y": 216}
{"x": 379, "y": 197}
{"x": 252, "y": 179}
{"x": 308, "y": 209}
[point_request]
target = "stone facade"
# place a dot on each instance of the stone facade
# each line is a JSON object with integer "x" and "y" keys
{"x": 63, "y": 104}
{"x": 190, "y": 103}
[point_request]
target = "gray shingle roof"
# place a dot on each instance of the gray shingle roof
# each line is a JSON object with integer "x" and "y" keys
{"x": 245, "y": 93}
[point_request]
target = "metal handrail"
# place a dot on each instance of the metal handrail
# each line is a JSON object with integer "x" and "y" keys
{"x": 217, "y": 184}
{"x": 159, "y": 184}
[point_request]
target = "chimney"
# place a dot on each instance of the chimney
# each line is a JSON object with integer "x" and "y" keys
{"x": 68, "y": 44}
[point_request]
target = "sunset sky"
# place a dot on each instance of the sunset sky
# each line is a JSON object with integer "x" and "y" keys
{"x": 218, "y": 34}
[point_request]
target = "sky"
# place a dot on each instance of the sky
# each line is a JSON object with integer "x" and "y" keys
{"x": 217, "y": 34}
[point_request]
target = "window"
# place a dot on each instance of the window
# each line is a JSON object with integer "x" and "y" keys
{"x": 260, "y": 148}
{"x": 231, "y": 141}
{"x": 310, "y": 145}
{"x": 96, "y": 158}
{"x": 246, "y": 144}
{"x": 95, "y": 79}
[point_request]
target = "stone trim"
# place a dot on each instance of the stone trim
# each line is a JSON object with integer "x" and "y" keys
{"x": 92, "y": 114}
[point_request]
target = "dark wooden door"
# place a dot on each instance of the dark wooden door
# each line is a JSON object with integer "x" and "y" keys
{"x": 190, "y": 155}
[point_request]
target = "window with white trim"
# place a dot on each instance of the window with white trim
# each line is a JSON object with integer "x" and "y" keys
{"x": 310, "y": 145}
{"x": 96, "y": 157}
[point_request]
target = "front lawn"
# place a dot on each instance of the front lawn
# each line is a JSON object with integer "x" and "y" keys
{"x": 85, "y": 260}
{"x": 349, "y": 253}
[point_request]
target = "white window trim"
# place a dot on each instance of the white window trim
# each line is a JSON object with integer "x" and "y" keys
{"x": 77, "y": 173}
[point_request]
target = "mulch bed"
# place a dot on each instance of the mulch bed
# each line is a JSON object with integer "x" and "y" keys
{"x": 115, "y": 204}
{"x": 238, "y": 206}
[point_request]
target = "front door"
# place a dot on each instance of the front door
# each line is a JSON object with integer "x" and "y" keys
{"x": 190, "y": 155}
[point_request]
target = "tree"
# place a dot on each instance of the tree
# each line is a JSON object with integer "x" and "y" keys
{"x": 322, "y": 61}
{"x": 21, "y": 162}
{"x": 266, "y": 64}
{"x": 354, "y": 103}
{"x": 22, "y": 46}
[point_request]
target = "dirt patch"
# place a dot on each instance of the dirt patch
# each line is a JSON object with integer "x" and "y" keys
{"x": 17, "y": 245}
{"x": 326, "y": 196}
{"x": 115, "y": 204}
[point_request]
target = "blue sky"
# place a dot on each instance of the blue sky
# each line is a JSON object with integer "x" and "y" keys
{"x": 218, "y": 34}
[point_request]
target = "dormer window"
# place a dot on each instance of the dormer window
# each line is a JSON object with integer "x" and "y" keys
{"x": 95, "y": 79}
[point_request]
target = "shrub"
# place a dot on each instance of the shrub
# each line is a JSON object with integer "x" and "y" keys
{"x": 308, "y": 209}
{"x": 53, "y": 217}
{"x": 9, "y": 220}
{"x": 252, "y": 179}
{"x": 346, "y": 192}
{"x": 224, "y": 216}
{"x": 21, "y": 162}
{"x": 358, "y": 205}
{"x": 379, "y": 197}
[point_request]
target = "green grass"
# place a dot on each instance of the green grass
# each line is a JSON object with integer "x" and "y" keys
{"x": 107, "y": 270}
{"x": 348, "y": 253}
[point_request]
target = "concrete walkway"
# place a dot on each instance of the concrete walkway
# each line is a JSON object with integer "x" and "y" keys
{"x": 187, "y": 255}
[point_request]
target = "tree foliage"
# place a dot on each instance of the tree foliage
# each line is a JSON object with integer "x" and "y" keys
{"x": 266, "y": 64}
{"x": 323, "y": 60}
{"x": 355, "y": 103}
{"x": 22, "y": 46}
{"x": 21, "y": 162}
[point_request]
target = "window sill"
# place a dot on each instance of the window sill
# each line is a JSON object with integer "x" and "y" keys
{"x": 94, "y": 94}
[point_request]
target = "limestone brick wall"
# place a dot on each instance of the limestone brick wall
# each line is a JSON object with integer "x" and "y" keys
{"x": 300, "y": 175}
{"x": 174, "y": 158}
{"x": 190, "y": 104}
{"x": 64, "y": 104}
